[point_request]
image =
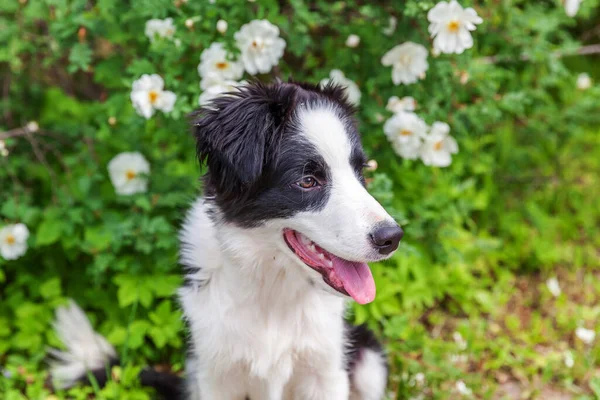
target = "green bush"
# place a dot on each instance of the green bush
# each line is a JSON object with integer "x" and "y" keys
{"x": 520, "y": 197}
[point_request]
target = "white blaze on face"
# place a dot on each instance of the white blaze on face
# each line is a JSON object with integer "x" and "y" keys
{"x": 351, "y": 213}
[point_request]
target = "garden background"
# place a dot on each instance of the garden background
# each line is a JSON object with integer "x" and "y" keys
{"x": 494, "y": 292}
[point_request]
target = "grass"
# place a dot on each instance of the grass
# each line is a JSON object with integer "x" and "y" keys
{"x": 516, "y": 351}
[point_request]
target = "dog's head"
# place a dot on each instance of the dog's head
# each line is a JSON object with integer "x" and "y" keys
{"x": 288, "y": 157}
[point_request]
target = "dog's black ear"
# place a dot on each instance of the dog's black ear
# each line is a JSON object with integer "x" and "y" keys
{"x": 236, "y": 134}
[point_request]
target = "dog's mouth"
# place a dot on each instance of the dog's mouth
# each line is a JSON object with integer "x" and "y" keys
{"x": 350, "y": 278}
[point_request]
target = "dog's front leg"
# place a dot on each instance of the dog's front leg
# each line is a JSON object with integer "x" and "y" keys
{"x": 217, "y": 385}
{"x": 274, "y": 391}
{"x": 211, "y": 390}
{"x": 271, "y": 388}
{"x": 321, "y": 384}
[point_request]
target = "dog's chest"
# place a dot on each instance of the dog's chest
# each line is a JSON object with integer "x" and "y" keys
{"x": 267, "y": 330}
{"x": 283, "y": 335}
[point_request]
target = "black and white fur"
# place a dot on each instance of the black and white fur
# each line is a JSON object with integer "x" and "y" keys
{"x": 264, "y": 325}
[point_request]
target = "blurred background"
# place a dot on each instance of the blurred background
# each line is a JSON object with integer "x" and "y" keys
{"x": 488, "y": 155}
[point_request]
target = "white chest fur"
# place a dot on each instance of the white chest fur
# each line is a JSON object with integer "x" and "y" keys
{"x": 254, "y": 318}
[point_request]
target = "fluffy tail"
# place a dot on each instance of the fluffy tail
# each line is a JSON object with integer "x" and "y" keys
{"x": 87, "y": 352}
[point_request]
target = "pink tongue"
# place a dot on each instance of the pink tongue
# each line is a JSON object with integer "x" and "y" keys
{"x": 357, "y": 279}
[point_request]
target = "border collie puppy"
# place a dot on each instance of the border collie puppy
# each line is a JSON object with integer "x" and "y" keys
{"x": 272, "y": 252}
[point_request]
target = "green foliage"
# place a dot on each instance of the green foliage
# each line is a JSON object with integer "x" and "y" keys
{"x": 520, "y": 202}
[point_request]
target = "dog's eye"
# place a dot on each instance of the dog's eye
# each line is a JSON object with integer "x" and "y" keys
{"x": 308, "y": 182}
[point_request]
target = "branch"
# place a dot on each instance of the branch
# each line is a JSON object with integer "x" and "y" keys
{"x": 28, "y": 129}
{"x": 582, "y": 51}
{"x": 42, "y": 159}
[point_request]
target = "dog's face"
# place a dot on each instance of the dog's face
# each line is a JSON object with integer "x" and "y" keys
{"x": 288, "y": 157}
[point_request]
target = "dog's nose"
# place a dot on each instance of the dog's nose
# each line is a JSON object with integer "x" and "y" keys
{"x": 386, "y": 238}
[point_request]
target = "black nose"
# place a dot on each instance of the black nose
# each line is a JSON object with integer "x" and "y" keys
{"x": 386, "y": 238}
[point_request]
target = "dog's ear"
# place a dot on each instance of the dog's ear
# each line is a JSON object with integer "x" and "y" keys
{"x": 237, "y": 133}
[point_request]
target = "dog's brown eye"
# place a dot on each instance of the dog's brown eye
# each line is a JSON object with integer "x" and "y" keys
{"x": 308, "y": 182}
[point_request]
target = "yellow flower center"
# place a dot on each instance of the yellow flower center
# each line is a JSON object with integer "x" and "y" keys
{"x": 258, "y": 44}
{"x": 221, "y": 65}
{"x": 130, "y": 174}
{"x": 453, "y": 26}
{"x": 405, "y": 59}
{"x": 405, "y": 132}
{"x": 153, "y": 96}
{"x": 437, "y": 146}
{"x": 10, "y": 239}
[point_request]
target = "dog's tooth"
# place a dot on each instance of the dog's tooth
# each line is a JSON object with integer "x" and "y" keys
{"x": 306, "y": 241}
{"x": 330, "y": 263}
{"x": 321, "y": 256}
{"x": 312, "y": 248}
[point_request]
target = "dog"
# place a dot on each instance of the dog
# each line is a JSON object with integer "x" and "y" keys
{"x": 272, "y": 253}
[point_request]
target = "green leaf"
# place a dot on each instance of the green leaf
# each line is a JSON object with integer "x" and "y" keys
{"x": 136, "y": 331}
{"x": 117, "y": 336}
{"x": 145, "y": 294}
{"x": 97, "y": 239}
{"x": 158, "y": 336}
{"x": 48, "y": 232}
{"x": 4, "y": 327}
{"x": 127, "y": 295}
{"x": 79, "y": 57}
{"x": 165, "y": 286}
{"x": 595, "y": 386}
{"x": 51, "y": 288}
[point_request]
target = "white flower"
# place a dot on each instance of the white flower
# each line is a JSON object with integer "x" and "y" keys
{"x": 439, "y": 146}
{"x": 13, "y": 241}
{"x": 353, "y": 41}
{"x": 129, "y": 173}
{"x": 587, "y": 336}
{"x": 463, "y": 389}
{"x": 147, "y": 95}
{"x": 222, "y": 26}
{"x": 408, "y": 61}
{"x": 584, "y": 81}
{"x": 215, "y": 66}
{"x": 420, "y": 378}
{"x": 405, "y": 132}
{"x": 397, "y": 105}
{"x": 553, "y": 286}
{"x": 391, "y": 28}
{"x": 189, "y": 23}
{"x": 372, "y": 165}
{"x": 352, "y": 90}
{"x": 459, "y": 340}
{"x": 451, "y": 25}
{"x": 32, "y": 126}
{"x": 260, "y": 46}
{"x": 569, "y": 359}
{"x": 3, "y": 149}
{"x": 458, "y": 358}
{"x": 572, "y": 6}
{"x": 162, "y": 28}
{"x": 216, "y": 90}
